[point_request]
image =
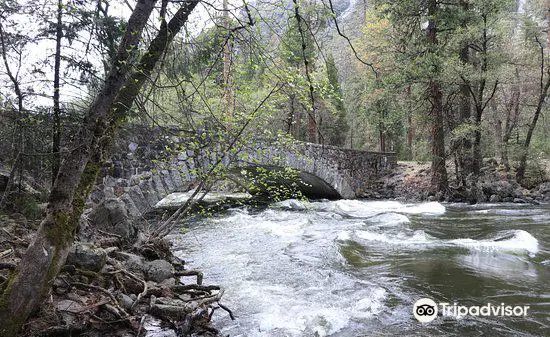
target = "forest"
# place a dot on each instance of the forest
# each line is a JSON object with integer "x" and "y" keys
{"x": 454, "y": 84}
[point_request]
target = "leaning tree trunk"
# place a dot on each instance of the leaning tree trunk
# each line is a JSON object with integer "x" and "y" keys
{"x": 47, "y": 253}
{"x": 56, "y": 127}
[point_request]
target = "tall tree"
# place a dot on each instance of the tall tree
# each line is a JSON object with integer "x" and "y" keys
{"x": 227, "y": 61}
{"x": 298, "y": 53}
{"x": 541, "y": 36}
{"x": 439, "y": 182}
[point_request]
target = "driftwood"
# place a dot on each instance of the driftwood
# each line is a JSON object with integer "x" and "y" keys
{"x": 196, "y": 273}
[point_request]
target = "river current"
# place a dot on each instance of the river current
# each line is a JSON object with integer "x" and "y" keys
{"x": 355, "y": 268}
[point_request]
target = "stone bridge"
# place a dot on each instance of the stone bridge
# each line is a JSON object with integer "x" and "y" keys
{"x": 325, "y": 172}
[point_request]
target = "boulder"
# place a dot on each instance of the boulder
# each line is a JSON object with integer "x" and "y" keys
{"x": 86, "y": 256}
{"x": 495, "y": 198}
{"x": 125, "y": 301}
{"x": 133, "y": 210}
{"x": 132, "y": 262}
{"x": 544, "y": 188}
{"x": 503, "y": 189}
{"x": 544, "y": 191}
{"x": 68, "y": 311}
{"x": 159, "y": 270}
{"x": 111, "y": 216}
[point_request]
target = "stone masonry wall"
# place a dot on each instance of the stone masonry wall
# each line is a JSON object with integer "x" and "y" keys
{"x": 134, "y": 176}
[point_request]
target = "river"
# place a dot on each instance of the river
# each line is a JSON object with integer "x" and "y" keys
{"x": 355, "y": 268}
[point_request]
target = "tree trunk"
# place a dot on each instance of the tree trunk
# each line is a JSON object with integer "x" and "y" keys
{"x": 439, "y": 171}
{"x": 311, "y": 127}
{"x": 290, "y": 116}
{"x": 382, "y": 137}
{"x": 476, "y": 146}
{"x": 56, "y": 127}
{"x": 410, "y": 131}
{"x": 520, "y": 173}
{"x": 298, "y": 125}
{"x": 48, "y": 251}
{"x": 227, "y": 51}
{"x": 512, "y": 114}
{"x": 464, "y": 146}
{"x": 499, "y": 134}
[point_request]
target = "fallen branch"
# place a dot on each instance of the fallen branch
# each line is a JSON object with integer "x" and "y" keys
{"x": 228, "y": 311}
{"x": 6, "y": 253}
{"x": 183, "y": 288}
{"x": 190, "y": 273}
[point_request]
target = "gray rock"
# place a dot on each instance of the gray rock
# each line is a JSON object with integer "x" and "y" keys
{"x": 167, "y": 181}
{"x": 109, "y": 192}
{"x": 109, "y": 181}
{"x": 159, "y": 270}
{"x": 495, "y": 198}
{"x": 544, "y": 188}
{"x": 501, "y": 188}
{"x": 505, "y": 189}
{"x": 97, "y": 195}
{"x": 125, "y": 301}
{"x": 69, "y": 306}
{"x": 169, "y": 282}
{"x": 176, "y": 178}
{"x": 69, "y": 311}
{"x": 133, "y": 211}
{"x": 296, "y": 205}
{"x": 159, "y": 187}
{"x": 150, "y": 194}
{"x": 138, "y": 198}
{"x": 122, "y": 182}
{"x": 519, "y": 201}
{"x": 86, "y": 256}
{"x": 544, "y": 191}
{"x": 132, "y": 262}
{"x": 112, "y": 216}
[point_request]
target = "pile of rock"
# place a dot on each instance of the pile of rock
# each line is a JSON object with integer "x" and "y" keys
{"x": 118, "y": 279}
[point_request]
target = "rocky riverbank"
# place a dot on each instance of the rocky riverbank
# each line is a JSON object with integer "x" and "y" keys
{"x": 410, "y": 181}
{"x": 118, "y": 281}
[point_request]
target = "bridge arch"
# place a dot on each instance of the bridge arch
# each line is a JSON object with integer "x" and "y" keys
{"x": 325, "y": 172}
{"x": 330, "y": 172}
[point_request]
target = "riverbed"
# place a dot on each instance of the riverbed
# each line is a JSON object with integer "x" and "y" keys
{"x": 355, "y": 267}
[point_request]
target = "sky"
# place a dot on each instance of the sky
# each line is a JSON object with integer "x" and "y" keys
{"x": 36, "y": 69}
